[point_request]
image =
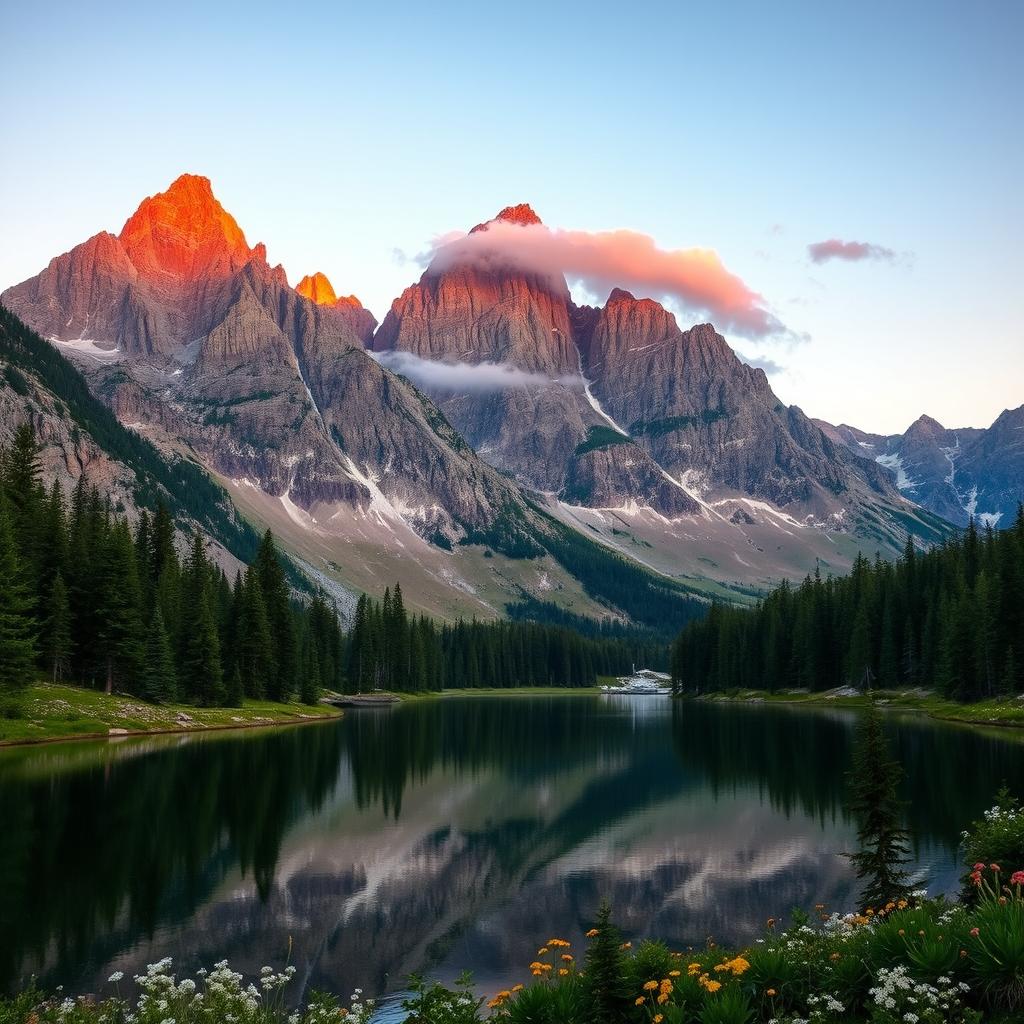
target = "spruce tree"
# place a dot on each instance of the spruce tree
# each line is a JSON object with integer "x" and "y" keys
{"x": 57, "y": 644}
{"x": 17, "y": 633}
{"x": 254, "y": 645}
{"x": 235, "y": 695}
{"x": 279, "y": 616}
{"x": 158, "y": 680}
{"x": 873, "y": 781}
{"x": 201, "y": 673}
{"x": 605, "y": 972}
{"x": 119, "y": 612}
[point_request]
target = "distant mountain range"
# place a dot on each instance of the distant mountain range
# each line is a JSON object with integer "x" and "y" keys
{"x": 485, "y": 443}
{"x": 957, "y": 474}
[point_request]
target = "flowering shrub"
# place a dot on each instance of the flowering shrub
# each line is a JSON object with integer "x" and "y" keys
{"x": 219, "y": 995}
{"x": 998, "y": 836}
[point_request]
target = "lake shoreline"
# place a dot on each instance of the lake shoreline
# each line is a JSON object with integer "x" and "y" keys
{"x": 1007, "y": 713}
{"x": 117, "y": 716}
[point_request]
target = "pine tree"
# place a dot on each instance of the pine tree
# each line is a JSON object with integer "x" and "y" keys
{"x": 279, "y": 616}
{"x": 254, "y": 645}
{"x": 119, "y": 612}
{"x": 235, "y": 696}
{"x": 873, "y": 780}
{"x": 201, "y": 672}
{"x": 605, "y": 972}
{"x": 158, "y": 682}
{"x": 17, "y": 635}
{"x": 57, "y": 644}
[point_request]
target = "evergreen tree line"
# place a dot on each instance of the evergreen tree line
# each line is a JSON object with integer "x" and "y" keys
{"x": 392, "y": 650}
{"x": 86, "y": 597}
{"x": 949, "y": 619}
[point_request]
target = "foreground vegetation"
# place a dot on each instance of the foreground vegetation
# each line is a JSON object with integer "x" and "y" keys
{"x": 951, "y": 618}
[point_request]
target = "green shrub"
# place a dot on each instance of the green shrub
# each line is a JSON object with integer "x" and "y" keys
{"x": 996, "y": 838}
{"x": 729, "y": 1006}
{"x": 435, "y": 1004}
{"x": 996, "y": 950}
{"x": 563, "y": 1001}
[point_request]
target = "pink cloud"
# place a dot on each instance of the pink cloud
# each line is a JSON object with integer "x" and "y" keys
{"x": 837, "y": 249}
{"x": 603, "y": 260}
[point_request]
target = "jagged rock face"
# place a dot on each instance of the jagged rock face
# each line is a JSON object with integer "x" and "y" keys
{"x": 955, "y": 473}
{"x": 704, "y": 421}
{"x": 469, "y": 314}
{"x": 480, "y": 314}
{"x": 267, "y": 383}
{"x": 703, "y": 415}
{"x": 623, "y": 476}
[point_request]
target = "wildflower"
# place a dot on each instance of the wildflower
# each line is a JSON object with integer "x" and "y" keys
{"x": 738, "y": 965}
{"x": 979, "y": 866}
{"x": 640, "y": 1000}
{"x": 974, "y": 932}
{"x": 542, "y": 951}
{"x": 674, "y": 974}
{"x": 593, "y": 933}
{"x": 627, "y": 945}
{"x": 517, "y": 988}
{"x": 563, "y": 971}
{"x": 1017, "y": 878}
{"x": 650, "y": 986}
{"x": 771, "y": 922}
{"x": 658, "y": 1018}
{"x": 116, "y": 976}
{"x": 712, "y": 986}
{"x": 995, "y": 867}
{"x": 770, "y": 992}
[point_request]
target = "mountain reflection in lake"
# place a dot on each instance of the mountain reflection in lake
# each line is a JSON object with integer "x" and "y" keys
{"x": 447, "y": 834}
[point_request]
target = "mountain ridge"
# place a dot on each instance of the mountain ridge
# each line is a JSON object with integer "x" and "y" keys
{"x": 593, "y": 416}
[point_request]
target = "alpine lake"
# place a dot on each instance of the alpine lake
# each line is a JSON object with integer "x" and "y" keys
{"x": 453, "y": 833}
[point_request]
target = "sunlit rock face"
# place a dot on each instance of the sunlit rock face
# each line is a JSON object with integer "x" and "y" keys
{"x": 318, "y": 288}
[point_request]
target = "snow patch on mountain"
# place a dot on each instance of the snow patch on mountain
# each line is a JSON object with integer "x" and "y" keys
{"x": 90, "y": 348}
{"x": 594, "y": 403}
{"x": 894, "y": 463}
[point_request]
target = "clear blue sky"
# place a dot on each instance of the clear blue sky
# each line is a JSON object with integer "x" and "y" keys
{"x": 340, "y": 133}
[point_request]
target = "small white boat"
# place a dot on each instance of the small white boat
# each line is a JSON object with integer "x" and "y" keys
{"x": 641, "y": 681}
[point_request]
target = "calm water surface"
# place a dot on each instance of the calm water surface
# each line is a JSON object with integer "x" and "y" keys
{"x": 450, "y": 834}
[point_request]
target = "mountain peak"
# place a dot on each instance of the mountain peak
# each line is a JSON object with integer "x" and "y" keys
{"x": 318, "y": 288}
{"x": 184, "y": 233}
{"x": 925, "y": 426}
{"x": 521, "y": 214}
{"x": 620, "y": 295}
